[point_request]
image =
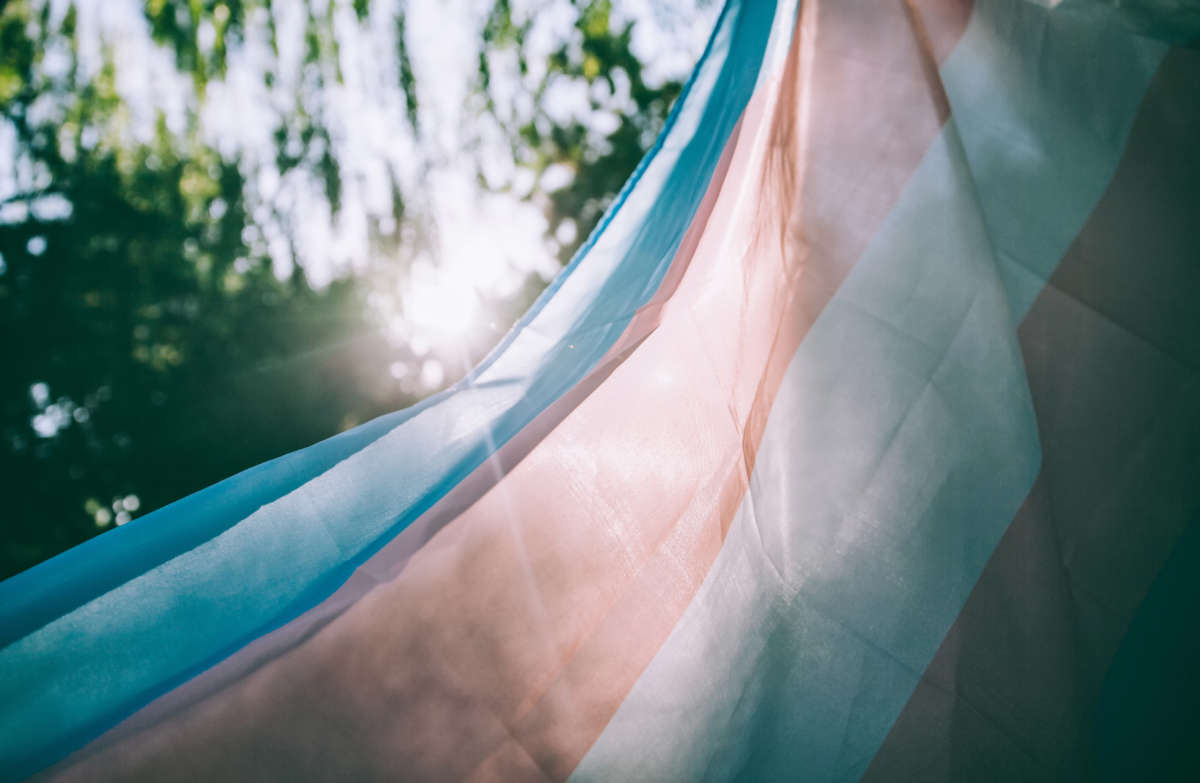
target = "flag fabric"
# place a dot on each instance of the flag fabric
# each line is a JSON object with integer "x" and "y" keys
{"x": 861, "y": 440}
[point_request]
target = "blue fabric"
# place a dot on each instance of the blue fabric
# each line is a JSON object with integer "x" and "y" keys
{"x": 50, "y": 589}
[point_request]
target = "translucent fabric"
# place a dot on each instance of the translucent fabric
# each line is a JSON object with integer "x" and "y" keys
{"x": 846, "y": 448}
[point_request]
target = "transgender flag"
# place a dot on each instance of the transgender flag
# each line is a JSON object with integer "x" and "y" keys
{"x": 855, "y": 443}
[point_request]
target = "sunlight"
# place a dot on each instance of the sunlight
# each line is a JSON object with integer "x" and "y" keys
{"x": 441, "y": 303}
{"x": 449, "y": 304}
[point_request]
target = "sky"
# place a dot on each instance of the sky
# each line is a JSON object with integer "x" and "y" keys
{"x": 483, "y": 244}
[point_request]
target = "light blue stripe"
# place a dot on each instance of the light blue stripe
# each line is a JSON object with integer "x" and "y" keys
{"x": 217, "y": 585}
{"x": 903, "y": 438}
{"x": 35, "y": 597}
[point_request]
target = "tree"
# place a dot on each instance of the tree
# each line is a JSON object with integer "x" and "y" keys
{"x": 163, "y": 327}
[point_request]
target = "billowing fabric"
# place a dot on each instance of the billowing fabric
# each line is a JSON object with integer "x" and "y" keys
{"x": 860, "y": 441}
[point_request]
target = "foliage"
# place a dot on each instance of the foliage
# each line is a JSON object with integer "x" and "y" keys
{"x": 600, "y": 58}
{"x": 153, "y": 344}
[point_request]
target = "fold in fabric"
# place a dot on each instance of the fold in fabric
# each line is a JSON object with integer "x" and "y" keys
{"x": 849, "y": 443}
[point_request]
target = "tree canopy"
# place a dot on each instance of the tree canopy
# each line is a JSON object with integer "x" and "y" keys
{"x": 226, "y": 270}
